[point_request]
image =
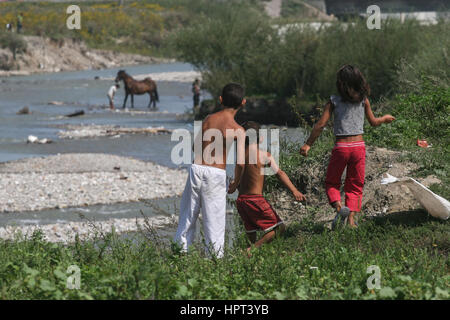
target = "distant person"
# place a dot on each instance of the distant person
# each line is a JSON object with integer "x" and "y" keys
{"x": 19, "y": 22}
{"x": 111, "y": 93}
{"x": 256, "y": 213}
{"x": 196, "y": 92}
{"x": 206, "y": 184}
{"x": 349, "y": 109}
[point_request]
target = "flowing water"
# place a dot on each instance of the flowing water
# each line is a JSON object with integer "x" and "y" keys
{"x": 80, "y": 91}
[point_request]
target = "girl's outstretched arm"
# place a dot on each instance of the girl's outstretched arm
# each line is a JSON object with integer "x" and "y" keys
{"x": 375, "y": 122}
{"x": 318, "y": 128}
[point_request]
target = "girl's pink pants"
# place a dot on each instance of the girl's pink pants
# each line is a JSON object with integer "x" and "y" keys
{"x": 353, "y": 156}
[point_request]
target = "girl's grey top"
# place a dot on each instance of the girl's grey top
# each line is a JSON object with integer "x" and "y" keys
{"x": 348, "y": 117}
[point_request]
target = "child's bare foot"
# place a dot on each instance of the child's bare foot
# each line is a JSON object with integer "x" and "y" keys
{"x": 352, "y": 223}
{"x": 351, "y": 220}
{"x": 248, "y": 251}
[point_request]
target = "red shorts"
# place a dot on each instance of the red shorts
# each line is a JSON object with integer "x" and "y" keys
{"x": 350, "y": 155}
{"x": 257, "y": 213}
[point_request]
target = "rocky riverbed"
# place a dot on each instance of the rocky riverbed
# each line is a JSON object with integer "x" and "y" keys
{"x": 69, "y": 180}
{"x": 92, "y": 131}
{"x": 66, "y": 232}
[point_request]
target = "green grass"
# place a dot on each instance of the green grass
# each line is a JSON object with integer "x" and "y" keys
{"x": 424, "y": 114}
{"x": 412, "y": 255}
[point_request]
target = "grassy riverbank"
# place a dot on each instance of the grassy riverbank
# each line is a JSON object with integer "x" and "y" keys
{"x": 309, "y": 262}
{"x": 424, "y": 113}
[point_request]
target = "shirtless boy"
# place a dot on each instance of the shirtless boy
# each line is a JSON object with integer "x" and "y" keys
{"x": 255, "y": 211}
{"x": 206, "y": 183}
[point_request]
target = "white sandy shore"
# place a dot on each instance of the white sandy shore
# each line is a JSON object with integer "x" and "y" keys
{"x": 71, "y": 180}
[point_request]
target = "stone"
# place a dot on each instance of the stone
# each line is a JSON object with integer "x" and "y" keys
{"x": 24, "y": 110}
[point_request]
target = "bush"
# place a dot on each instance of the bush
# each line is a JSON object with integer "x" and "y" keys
{"x": 229, "y": 47}
{"x": 241, "y": 46}
{"x": 13, "y": 42}
{"x": 432, "y": 64}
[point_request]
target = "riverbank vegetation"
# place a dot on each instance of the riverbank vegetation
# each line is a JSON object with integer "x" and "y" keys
{"x": 134, "y": 27}
{"x": 424, "y": 113}
{"x": 15, "y": 44}
{"x": 309, "y": 262}
{"x": 301, "y": 62}
{"x": 407, "y": 66}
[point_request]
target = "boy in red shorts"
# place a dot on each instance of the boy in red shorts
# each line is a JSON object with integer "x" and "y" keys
{"x": 256, "y": 213}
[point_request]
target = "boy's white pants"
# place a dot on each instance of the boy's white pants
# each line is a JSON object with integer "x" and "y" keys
{"x": 206, "y": 188}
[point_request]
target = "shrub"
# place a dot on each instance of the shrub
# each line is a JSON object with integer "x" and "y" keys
{"x": 229, "y": 47}
{"x": 13, "y": 42}
{"x": 240, "y": 45}
{"x": 432, "y": 64}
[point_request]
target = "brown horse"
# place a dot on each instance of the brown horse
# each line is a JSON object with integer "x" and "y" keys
{"x": 133, "y": 87}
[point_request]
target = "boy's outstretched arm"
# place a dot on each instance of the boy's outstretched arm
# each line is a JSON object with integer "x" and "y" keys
{"x": 283, "y": 177}
{"x": 317, "y": 130}
{"x": 375, "y": 122}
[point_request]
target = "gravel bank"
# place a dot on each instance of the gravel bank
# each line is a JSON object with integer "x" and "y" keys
{"x": 91, "y": 131}
{"x": 66, "y": 232}
{"x": 83, "y": 179}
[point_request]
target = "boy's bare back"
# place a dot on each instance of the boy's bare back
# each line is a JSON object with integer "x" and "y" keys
{"x": 221, "y": 121}
{"x": 252, "y": 181}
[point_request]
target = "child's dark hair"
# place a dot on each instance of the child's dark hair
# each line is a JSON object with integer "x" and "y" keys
{"x": 247, "y": 125}
{"x": 232, "y": 95}
{"x": 351, "y": 84}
